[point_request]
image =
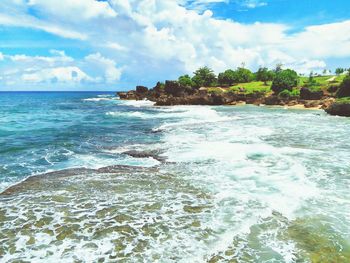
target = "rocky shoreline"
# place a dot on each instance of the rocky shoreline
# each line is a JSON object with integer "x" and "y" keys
{"x": 173, "y": 94}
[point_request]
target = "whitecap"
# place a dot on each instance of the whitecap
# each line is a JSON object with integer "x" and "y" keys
{"x": 138, "y": 103}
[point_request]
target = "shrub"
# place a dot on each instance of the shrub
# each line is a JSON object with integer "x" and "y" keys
{"x": 285, "y": 94}
{"x": 284, "y": 80}
{"x": 186, "y": 81}
{"x": 295, "y": 92}
{"x": 215, "y": 91}
{"x": 345, "y": 100}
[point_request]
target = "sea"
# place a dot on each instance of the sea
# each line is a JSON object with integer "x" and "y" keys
{"x": 86, "y": 177}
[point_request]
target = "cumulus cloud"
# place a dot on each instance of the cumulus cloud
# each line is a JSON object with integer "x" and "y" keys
{"x": 84, "y": 9}
{"x": 108, "y": 67}
{"x": 58, "y": 68}
{"x": 155, "y": 39}
{"x": 54, "y": 75}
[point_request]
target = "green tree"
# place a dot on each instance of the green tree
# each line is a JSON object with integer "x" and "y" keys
{"x": 339, "y": 71}
{"x": 204, "y": 77}
{"x": 344, "y": 88}
{"x": 265, "y": 75}
{"x": 244, "y": 75}
{"x": 185, "y": 81}
{"x": 284, "y": 80}
{"x": 229, "y": 77}
{"x": 278, "y": 67}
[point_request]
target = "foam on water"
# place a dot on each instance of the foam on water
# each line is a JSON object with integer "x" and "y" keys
{"x": 98, "y": 99}
{"x": 138, "y": 103}
{"x": 239, "y": 183}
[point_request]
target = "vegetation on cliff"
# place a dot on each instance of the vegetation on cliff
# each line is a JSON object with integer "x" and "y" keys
{"x": 265, "y": 86}
{"x": 341, "y": 106}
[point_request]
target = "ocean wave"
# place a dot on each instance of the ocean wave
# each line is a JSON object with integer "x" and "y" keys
{"x": 138, "y": 103}
{"x": 135, "y": 114}
{"x": 192, "y": 115}
{"x": 106, "y": 96}
{"x": 97, "y": 99}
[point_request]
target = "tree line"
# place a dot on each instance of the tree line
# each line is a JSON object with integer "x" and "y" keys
{"x": 205, "y": 77}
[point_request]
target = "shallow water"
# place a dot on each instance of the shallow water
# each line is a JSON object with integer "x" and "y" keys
{"x": 239, "y": 184}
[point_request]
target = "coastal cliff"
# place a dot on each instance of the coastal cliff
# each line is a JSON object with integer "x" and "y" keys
{"x": 265, "y": 87}
{"x": 173, "y": 94}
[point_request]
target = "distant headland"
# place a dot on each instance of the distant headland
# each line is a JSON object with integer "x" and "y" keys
{"x": 283, "y": 87}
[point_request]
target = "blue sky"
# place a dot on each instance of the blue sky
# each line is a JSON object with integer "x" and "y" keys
{"x": 117, "y": 44}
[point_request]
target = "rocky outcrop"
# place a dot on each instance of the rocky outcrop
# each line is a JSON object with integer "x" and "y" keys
{"x": 204, "y": 98}
{"x": 174, "y": 88}
{"x": 130, "y": 95}
{"x": 140, "y": 93}
{"x": 172, "y": 93}
{"x": 339, "y": 108}
{"x": 141, "y": 89}
{"x": 308, "y": 94}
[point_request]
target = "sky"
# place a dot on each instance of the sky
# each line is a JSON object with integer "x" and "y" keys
{"x": 115, "y": 45}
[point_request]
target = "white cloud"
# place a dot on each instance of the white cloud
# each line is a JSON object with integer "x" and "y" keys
{"x": 58, "y": 58}
{"x": 68, "y": 9}
{"x": 59, "y": 69}
{"x": 253, "y": 3}
{"x": 156, "y": 39}
{"x": 22, "y": 20}
{"x": 59, "y": 74}
{"x": 1, "y": 56}
{"x": 116, "y": 46}
{"x": 107, "y": 66}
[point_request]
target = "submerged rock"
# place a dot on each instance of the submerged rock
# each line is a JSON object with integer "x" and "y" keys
{"x": 145, "y": 154}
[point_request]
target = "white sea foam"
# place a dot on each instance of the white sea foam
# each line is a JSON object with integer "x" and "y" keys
{"x": 138, "y": 103}
{"x": 246, "y": 174}
{"x": 98, "y": 99}
{"x": 135, "y": 114}
{"x": 227, "y": 155}
{"x": 96, "y": 161}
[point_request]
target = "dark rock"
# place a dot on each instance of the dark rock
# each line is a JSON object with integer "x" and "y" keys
{"x": 146, "y": 154}
{"x": 272, "y": 100}
{"x": 307, "y": 94}
{"x": 122, "y": 95}
{"x": 312, "y": 104}
{"x": 141, "y": 89}
{"x": 174, "y": 88}
{"x": 344, "y": 88}
{"x": 339, "y": 108}
{"x": 292, "y": 103}
{"x": 333, "y": 89}
{"x": 327, "y": 103}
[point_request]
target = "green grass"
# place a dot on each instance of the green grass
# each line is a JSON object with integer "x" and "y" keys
{"x": 345, "y": 100}
{"x": 215, "y": 90}
{"x": 251, "y": 87}
{"x": 322, "y": 82}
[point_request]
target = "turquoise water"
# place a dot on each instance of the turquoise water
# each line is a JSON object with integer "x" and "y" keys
{"x": 239, "y": 184}
{"x": 41, "y": 132}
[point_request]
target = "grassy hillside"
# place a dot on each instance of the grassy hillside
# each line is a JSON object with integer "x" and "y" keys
{"x": 321, "y": 83}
